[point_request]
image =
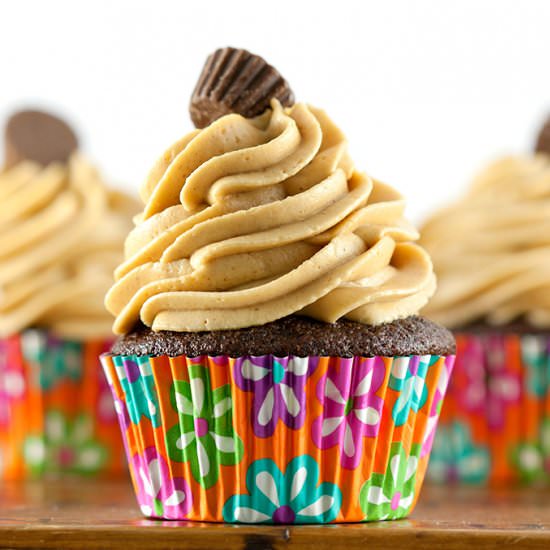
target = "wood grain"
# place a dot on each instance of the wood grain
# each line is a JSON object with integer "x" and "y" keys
{"x": 90, "y": 514}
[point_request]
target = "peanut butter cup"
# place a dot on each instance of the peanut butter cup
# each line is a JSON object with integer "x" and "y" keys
{"x": 236, "y": 81}
{"x": 543, "y": 140}
{"x": 38, "y": 136}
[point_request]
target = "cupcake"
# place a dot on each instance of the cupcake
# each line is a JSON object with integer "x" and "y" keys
{"x": 271, "y": 365}
{"x": 61, "y": 235}
{"x": 491, "y": 253}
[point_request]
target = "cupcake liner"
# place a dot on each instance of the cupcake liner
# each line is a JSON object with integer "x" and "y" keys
{"x": 56, "y": 411}
{"x": 495, "y": 426}
{"x": 277, "y": 439}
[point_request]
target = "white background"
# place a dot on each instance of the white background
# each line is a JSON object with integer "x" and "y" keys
{"x": 427, "y": 91}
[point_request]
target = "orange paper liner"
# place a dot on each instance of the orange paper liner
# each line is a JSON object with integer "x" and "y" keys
{"x": 277, "y": 439}
{"x": 495, "y": 425}
{"x": 56, "y": 411}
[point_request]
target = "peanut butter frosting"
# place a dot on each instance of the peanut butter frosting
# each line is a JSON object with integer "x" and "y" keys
{"x": 253, "y": 219}
{"x": 61, "y": 236}
{"x": 491, "y": 249}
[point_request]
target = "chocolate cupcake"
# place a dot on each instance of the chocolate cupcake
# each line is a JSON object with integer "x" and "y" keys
{"x": 61, "y": 237}
{"x": 491, "y": 253}
{"x": 271, "y": 366}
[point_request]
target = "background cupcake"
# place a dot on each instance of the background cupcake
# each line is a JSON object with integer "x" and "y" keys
{"x": 272, "y": 368}
{"x": 491, "y": 253}
{"x": 61, "y": 236}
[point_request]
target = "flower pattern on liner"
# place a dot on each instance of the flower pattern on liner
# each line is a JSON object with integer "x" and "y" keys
{"x": 408, "y": 376}
{"x": 204, "y": 435}
{"x": 492, "y": 386}
{"x": 493, "y": 425}
{"x": 159, "y": 495}
{"x": 105, "y": 409}
{"x": 503, "y": 384}
{"x": 56, "y": 411}
{"x": 532, "y": 459}
{"x": 216, "y": 414}
{"x": 390, "y": 495}
{"x": 278, "y": 390}
{"x": 435, "y": 410}
{"x": 351, "y": 407}
{"x": 456, "y": 457}
{"x": 12, "y": 386}
{"x": 136, "y": 379}
{"x": 65, "y": 447}
{"x": 545, "y": 443}
{"x": 537, "y": 364}
{"x": 52, "y": 360}
{"x": 294, "y": 496}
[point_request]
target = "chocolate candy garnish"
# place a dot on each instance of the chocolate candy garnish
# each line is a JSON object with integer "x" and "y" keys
{"x": 236, "y": 81}
{"x": 38, "y": 136}
{"x": 543, "y": 141}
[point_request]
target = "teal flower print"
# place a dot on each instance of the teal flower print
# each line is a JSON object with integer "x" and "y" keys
{"x": 408, "y": 376}
{"x": 537, "y": 364}
{"x": 138, "y": 384}
{"x": 204, "y": 436}
{"x": 455, "y": 457}
{"x": 290, "y": 497}
{"x": 390, "y": 495}
{"x": 52, "y": 360}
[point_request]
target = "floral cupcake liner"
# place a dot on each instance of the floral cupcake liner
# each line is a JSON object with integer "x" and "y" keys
{"x": 495, "y": 425}
{"x": 277, "y": 439}
{"x": 56, "y": 410}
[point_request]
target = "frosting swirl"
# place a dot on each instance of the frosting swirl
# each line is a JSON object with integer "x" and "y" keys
{"x": 491, "y": 249}
{"x": 61, "y": 236}
{"x": 250, "y": 220}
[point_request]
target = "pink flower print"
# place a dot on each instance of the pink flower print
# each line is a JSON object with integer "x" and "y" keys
{"x": 491, "y": 386}
{"x": 503, "y": 384}
{"x": 105, "y": 407}
{"x": 12, "y": 385}
{"x": 471, "y": 365}
{"x": 437, "y": 402}
{"x": 351, "y": 408}
{"x": 159, "y": 495}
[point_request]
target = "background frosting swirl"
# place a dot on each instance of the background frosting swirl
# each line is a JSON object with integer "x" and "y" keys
{"x": 61, "y": 236}
{"x": 491, "y": 249}
{"x": 250, "y": 220}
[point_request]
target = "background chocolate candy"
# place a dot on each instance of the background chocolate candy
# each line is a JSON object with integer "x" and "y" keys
{"x": 543, "y": 141}
{"x": 38, "y": 136}
{"x": 236, "y": 81}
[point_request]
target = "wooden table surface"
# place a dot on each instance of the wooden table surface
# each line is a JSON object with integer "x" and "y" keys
{"x": 90, "y": 514}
